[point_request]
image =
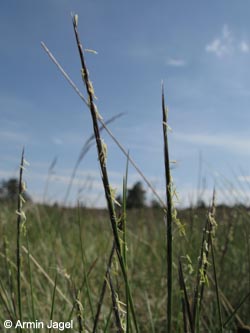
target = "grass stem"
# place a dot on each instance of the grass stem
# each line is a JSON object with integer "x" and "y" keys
{"x": 168, "y": 217}
{"x": 18, "y": 250}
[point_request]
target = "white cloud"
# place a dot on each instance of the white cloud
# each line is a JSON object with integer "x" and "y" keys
{"x": 221, "y": 45}
{"x": 175, "y": 62}
{"x": 244, "y": 47}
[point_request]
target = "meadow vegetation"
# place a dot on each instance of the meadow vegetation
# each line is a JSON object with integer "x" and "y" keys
{"x": 74, "y": 245}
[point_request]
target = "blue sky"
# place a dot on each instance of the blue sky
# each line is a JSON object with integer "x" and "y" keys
{"x": 201, "y": 50}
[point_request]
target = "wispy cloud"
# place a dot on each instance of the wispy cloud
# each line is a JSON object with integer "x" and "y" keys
{"x": 221, "y": 45}
{"x": 13, "y": 136}
{"x": 236, "y": 143}
{"x": 244, "y": 46}
{"x": 176, "y": 62}
{"x": 226, "y": 44}
{"x": 156, "y": 53}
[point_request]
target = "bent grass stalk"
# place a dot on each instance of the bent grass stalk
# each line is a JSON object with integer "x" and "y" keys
{"x": 47, "y": 277}
{"x": 120, "y": 146}
{"x": 244, "y": 299}
{"x": 86, "y": 147}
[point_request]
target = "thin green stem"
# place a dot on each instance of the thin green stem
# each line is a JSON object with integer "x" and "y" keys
{"x": 168, "y": 218}
{"x": 18, "y": 250}
{"x": 86, "y": 279}
{"x": 30, "y": 281}
{"x": 216, "y": 285}
{"x": 53, "y": 300}
{"x": 104, "y": 286}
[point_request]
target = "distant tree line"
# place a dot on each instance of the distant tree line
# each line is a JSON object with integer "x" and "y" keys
{"x": 136, "y": 197}
{"x": 9, "y": 191}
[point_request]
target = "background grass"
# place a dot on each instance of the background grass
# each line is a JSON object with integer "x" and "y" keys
{"x": 54, "y": 243}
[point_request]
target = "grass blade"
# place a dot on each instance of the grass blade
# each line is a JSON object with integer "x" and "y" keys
{"x": 53, "y": 300}
{"x": 151, "y": 320}
{"x": 108, "y": 321}
{"x": 115, "y": 305}
{"x": 30, "y": 280}
{"x": 86, "y": 279}
{"x": 21, "y": 189}
{"x": 236, "y": 309}
{"x": 10, "y": 276}
{"x": 168, "y": 217}
{"x": 79, "y": 314}
{"x": 186, "y": 304}
{"x": 216, "y": 285}
{"x": 104, "y": 286}
{"x": 200, "y": 277}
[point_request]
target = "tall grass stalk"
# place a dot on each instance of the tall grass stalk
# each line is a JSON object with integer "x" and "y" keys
{"x": 214, "y": 266}
{"x": 103, "y": 290}
{"x": 168, "y": 217}
{"x": 79, "y": 314}
{"x": 86, "y": 279}
{"x": 124, "y": 231}
{"x": 53, "y": 300}
{"x": 198, "y": 291}
{"x": 102, "y": 155}
{"x": 30, "y": 281}
{"x": 49, "y": 175}
{"x": 21, "y": 189}
{"x": 118, "y": 322}
{"x": 5, "y": 301}
{"x": 151, "y": 319}
{"x": 186, "y": 309}
{"x": 108, "y": 321}
{"x": 10, "y": 277}
{"x": 216, "y": 286}
{"x": 227, "y": 305}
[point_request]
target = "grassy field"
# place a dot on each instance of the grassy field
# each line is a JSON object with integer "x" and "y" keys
{"x": 72, "y": 246}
